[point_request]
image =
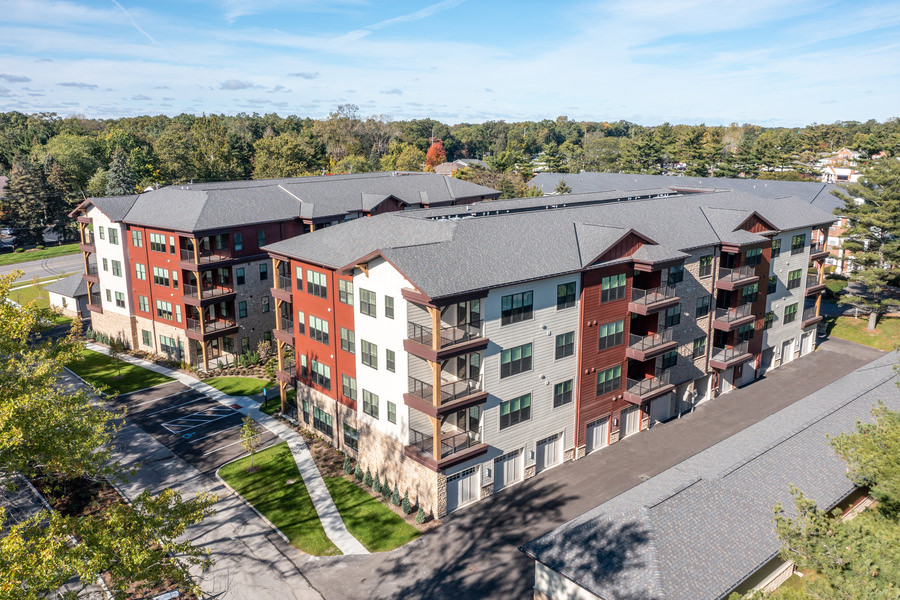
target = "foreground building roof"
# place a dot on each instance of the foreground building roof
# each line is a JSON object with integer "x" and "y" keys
{"x": 699, "y": 529}
{"x": 72, "y": 286}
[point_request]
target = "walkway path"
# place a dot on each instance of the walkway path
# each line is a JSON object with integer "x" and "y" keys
{"x": 315, "y": 485}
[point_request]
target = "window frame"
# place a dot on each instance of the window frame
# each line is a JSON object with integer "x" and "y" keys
{"x": 670, "y": 318}
{"x": 510, "y": 366}
{"x": 565, "y": 345}
{"x": 702, "y": 309}
{"x": 514, "y": 416}
{"x": 345, "y": 292}
{"x": 511, "y": 314}
{"x": 705, "y": 265}
{"x": 566, "y": 297}
{"x": 348, "y": 340}
{"x": 370, "y": 403}
{"x": 611, "y": 291}
{"x": 618, "y": 335}
{"x": 313, "y": 285}
{"x": 369, "y": 353}
{"x": 563, "y": 392}
{"x": 368, "y": 303}
{"x": 611, "y": 380}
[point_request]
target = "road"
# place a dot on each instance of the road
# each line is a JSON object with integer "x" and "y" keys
{"x": 70, "y": 263}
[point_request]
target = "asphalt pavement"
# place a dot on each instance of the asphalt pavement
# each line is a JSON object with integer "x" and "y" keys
{"x": 70, "y": 263}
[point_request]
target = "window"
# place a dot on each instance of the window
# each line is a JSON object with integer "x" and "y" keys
{"x": 172, "y": 244}
{"x": 146, "y": 338}
{"x": 245, "y": 346}
{"x": 174, "y": 279}
{"x": 242, "y": 309}
{"x": 164, "y": 310}
{"x": 389, "y": 307}
{"x": 565, "y": 295}
{"x": 348, "y": 340}
{"x": 263, "y": 271}
{"x": 702, "y": 307}
{"x": 773, "y": 284}
{"x": 798, "y": 243}
{"x": 304, "y": 371}
{"x": 699, "y": 347}
{"x": 157, "y": 242}
{"x": 238, "y": 242}
{"x": 137, "y": 240}
{"x": 351, "y": 437}
{"x": 301, "y": 323}
{"x": 102, "y": 233}
{"x": 750, "y": 293}
{"x": 370, "y": 403}
{"x": 265, "y": 304}
{"x": 240, "y": 276}
{"x": 609, "y": 380}
{"x": 348, "y": 387}
{"x": 105, "y": 265}
{"x": 114, "y": 236}
{"x": 612, "y": 288}
{"x": 515, "y": 360}
{"x": 676, "y": 274}
{"x": 120, "y": 299}
{"x": 322, "y": 420}
{"x": 168, "y": 345}
{"x": 345, "y": 291}
{"x": 161, "y": 276}
{"x": 108, "y": 296}
{"x": 299, "y": 279}
{"x": 673, "y": 315}
{"x": 516, "y": 307}
{"x": 367, "y": 303}
{"x": 776, "y": 248}
{"x": 316, "y": 284}
{"x": 320, "y": 374}
{"x": 706, "y": 265}
{"x": 267, "y": 336}
{"x": 565, "y": 345}
{"x": 745, "y": 332}
{"x": 369, "y": 354}
{"x": 392, "y": 412}
{"x": 669, "y": 359}
{"x": 318, "y": 329}
{"x": 611, "y": 334}
{"x": 515, "y": 411}
{"x": 140, "y": 271}
{"x": 390, "y": 360}
{"x": 228, "y": 344}
{"x": 770, "y": 318}
{"x": 793, "y": 281}
{"x": 790, "y": 313}
{"x": 753, "y": 257}
{"x": 562, "y": 393}
{"x": 260, "y": 238}
{"x": 144, "y": 303}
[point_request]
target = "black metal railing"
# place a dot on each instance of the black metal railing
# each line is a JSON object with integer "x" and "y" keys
{"x": 812, "y": 279}
{"x": 450, "y": 444}
{"x": 286, "y": 325}
{"x": 289, "y": 366}
{"x": 450, "y": 391}
{"x": 733, "y": 314}
{"x": 285, "y": 283}
{"x": 736, "y": 274}
{"x": 208, "y": 291}
{"x": 450, "y": 334}
{"x": 809, "y": 313}
{"x": 210, "y": 326}
{"x": 729, "y": 352}
{"x": 649, "y": 341}
{"x": 92, "y": 269}
{"x": 642, "y": 387}
{"x": 652, "y": 295}
{"x": 205, "y": 257}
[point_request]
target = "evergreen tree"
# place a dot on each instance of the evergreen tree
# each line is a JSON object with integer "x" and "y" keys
{"x": 120, "y": 179}
{"x": 29, "y": 203}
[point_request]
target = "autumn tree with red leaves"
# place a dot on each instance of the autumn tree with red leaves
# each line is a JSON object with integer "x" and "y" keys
{"x": 435, "y": 155}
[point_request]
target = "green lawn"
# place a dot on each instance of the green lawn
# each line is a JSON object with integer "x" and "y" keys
{"x": 238, "y": 386}
{"x": 275, "y": 403}
{"x": 102, "y": 371}
{"x": 28, "y": 292}
{"x": 287, "y": 506}
{"x": 886, "y": 335}
{"x": 376, "y": 526}
{"x": 18, "y": 257}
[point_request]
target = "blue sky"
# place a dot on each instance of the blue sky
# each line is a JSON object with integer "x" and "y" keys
{"x": 784, "y": 62}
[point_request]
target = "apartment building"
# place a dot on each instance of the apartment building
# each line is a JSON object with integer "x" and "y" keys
{"x": 458, "y": 351}
{"x": 180, "y": 272}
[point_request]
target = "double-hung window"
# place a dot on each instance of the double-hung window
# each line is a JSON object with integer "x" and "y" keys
{"x": 745, "y": 332}
{"x": 389, "y": 307}
{"x": 565, "y": 345}
{"x": 676, "y": 274}
{"x": 348, "y": 387}
{"x": 611, "y": 334}
{"x": 794, "y": 278}
{"x": 140, "y": 271}
{"x": 798, "y": 243}
{"x": 516, "y": 307}
{"x": 706, "y": 265}
{"x": 669, "y": 360}
{"x": 750, "y": 293}
{"x": 137, "y": 240}
{"x": 515, "y": 360}
{"x": 673, "y": 315}
{"x": 515, "y": 411}
{"x": 609, "y": 380}
{"x": 316, "y": 284}
{"x": 368, "y": 303}
{"x": 699, "y": 347}
{"x": 776, "y": 248}
{"x": 773, "y": 285}
{"x": 562, "y": 393}
{"x": 348, "y": 340}
{"x": 753, "y": 257}
{"x": 345, "y": 292}
{"x": 702, "y": 306}
{"x": 320, "y": 374}
{"x": 318, "y": 329}
{"x": 157, "y": 242}
{"x": 369, "y": 353}
{"x": 790, "y": 313}
{"x": 565, "y": 295}
{"x": 612, "y": 287}
{"x": 370, "y": 403}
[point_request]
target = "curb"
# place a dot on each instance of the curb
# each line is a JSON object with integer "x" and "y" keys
{"x": 247, "y": 502}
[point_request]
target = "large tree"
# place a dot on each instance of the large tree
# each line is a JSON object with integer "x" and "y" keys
{"x": 285, "y": 155}
{"x": 120, "y": 180}
{"x": 30, "y": 202}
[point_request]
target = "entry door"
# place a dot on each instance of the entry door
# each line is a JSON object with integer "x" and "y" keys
{"x": 806, "y": 344}
{"x": 598, "y": 434}
{"x": 663, "y": 408}
{"x": 631, "y": 420}
{"x": 549, "y": 452}
{"x": 507, "y": 469}
{"x": 462, "y": 488}
{"x": 787, "y": 351}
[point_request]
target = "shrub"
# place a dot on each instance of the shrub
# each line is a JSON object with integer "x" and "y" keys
{"x": 367, "y": 480}
{"x": 406, "y": 506}
{"x": 358, "y": 473}
{"x": 39, "y": 247}
{"x": 19, "y": 250}
{"x": 420, "y": 516}
{"x": 395, "y": 497}
{"x": 376, "y": 485}
{"x": 348, "y": 468}
{"x": 385, "y": 491}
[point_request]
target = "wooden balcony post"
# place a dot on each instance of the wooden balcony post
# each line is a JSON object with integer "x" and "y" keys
{"x": 282, "y": 391}
{"x": 81, "y": 227}
{"x": 196, "y": 245}
{"x": 205, "y": 353}
{"x": 84, "y": 256}
{"x": 278, "y": 313}
{"x": 436, "y": 381}
{"x": 276, "y": 264}
{"x": 282, "y": 387}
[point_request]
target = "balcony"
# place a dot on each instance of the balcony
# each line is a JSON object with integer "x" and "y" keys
{"x": 732, "y": 279}
{"x": 812, "y": 284}
{"x": 92, "y": 273}
{"x": 645, "y": 347}
{"x": 728, "y": 319}
{"x": 283, "y": 289}
{"x": 453, "y": 341}
{"x": 639, "y": 390}
{"x": 722, "y": 358}
{"x": 205, "y": 258}
{"x": 87, "y": 244}
{"x": 288, "y": 373}
{"x": 818, "y": 251}
{"x": 198, "y": 295}
{"x": 455, "y": 395}
{"x": 645, "y": 302}
{"x": 211, "y": 329}
{"x": 95, "y": 304}
{"x": 284, "y": 330}
{"x": 456, "y": 447}
{"x": 810, "y": 317}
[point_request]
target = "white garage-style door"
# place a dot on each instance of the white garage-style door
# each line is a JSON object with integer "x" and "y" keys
{"x": 549, "y": 452}
{"x": 787, "y": 351}
{"x": 507, "y": 469}
{"x": 462, "y": 488}
{"x": 631, "y": 420}
{"x": 598, "y": 434}
{"x": 662, "y": 408}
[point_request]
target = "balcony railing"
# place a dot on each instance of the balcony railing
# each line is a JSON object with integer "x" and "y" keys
{"x": 285, "y": 283}
{"x": 289, "y": 366}
{"x": 450, "y": 334}
{"x": 94, "y": 300}
{"x": 737, "y": 274}
{"x": 209, "y": 291}
{"x": 727, "y": 354}
{"x": 644, "y": 343}
{"x": 642, "y": 387}
{"x": 450, "y": 444}
{"x": 652, "y": 295}
{"x": 286, "y": 325}
{"x": 809, "y": 313}
{"x": 92, "y": 269}
{"x": 818, "y": 248}
{"x": 88, "y": 239}
{"x": 449, "y": 391}
{"x": 205, "y": 257}
{"x": 210, "y": 326}
{"x": 812, "y": 279}
{"x": 733, "y": 314}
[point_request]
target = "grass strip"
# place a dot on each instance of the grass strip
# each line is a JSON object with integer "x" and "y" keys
{"x": 375, "y": 525}
{"x": 116, "y": 377}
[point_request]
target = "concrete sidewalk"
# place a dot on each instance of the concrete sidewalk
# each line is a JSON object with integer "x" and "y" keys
{"x": 315, "y": 485}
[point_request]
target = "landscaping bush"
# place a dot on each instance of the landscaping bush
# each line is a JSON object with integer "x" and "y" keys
{"x": 19, "y": 250}
{"x": 406, "y": 506}
{"x": 395, "y": 497}
{"x": 348, "y": 467}
{"x": 420, "y": 516}
{"x": 358, "y": 473}
{"x": 376, "y": 485}
{"x": 367, "y": 480}
{"x": 385, "y": 491}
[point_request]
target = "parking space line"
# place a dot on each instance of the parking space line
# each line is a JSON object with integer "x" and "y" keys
{"x": 212, "y": 412}
{"x": 217, "y": 433}
{"x": 162, "y": 398}
{"x": 176, "y": 406}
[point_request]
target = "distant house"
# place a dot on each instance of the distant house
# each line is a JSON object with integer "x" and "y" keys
{"x": 839, "y": 175}
{"x": 3, "y": 181}
{"x": 70, "y": 296}
{"x": 448, "y": 168}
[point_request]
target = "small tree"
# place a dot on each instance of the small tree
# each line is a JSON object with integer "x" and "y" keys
{"x": 562, "y": 187}
{"x": 395, "y": 497}
{"x": 263, "y": 348}
{"x": 116, "y": 348}
{"x": 358, "y": 473}
{"x": 420, "y": 516}
{"x": 406, "y": 505}
{"x": 436, "y": 155}
{"x": 368, "y": 478}
{"x": 348, "y": 466}
{"x": 386, "y": 490}
{"x": 250, "y": 438}
{"x": 376, "y": 485}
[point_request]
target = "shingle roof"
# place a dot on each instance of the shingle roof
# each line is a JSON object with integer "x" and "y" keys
{"x": 698, "y": 529}
{"x": 71, "y": 286}
{"x": 445, "y": 252}
{"x": 114, "y": 207}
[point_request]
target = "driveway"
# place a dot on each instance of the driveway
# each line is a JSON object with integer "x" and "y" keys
{"x": 70, "y": 263}
{"x": 474, "y": 554}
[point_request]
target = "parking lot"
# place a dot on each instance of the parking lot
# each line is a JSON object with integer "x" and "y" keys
{"x": 202, "y": 431}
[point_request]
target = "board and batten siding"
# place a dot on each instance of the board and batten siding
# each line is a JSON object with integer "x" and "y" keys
{"x": 111, "y": 252}
{"x": 781, "y": 266}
